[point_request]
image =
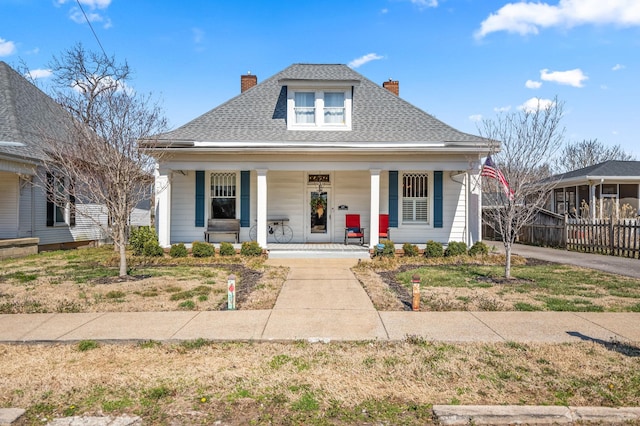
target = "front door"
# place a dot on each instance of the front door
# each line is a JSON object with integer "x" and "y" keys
{"x": 319, "y": 217}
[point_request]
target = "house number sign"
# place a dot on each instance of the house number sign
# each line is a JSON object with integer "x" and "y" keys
{"x": 318, "y": 178}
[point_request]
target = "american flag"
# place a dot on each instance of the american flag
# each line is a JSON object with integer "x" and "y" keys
{"x": 490, "y": 170}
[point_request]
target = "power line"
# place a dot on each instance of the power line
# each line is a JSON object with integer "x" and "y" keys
{"x": 92, "y": 30}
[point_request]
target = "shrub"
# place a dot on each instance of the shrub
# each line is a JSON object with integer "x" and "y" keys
{"x": 139, "y": 236}
{"x": 202, "y": 249}
{"x": 227, "y": 249}
{"x": 151, "y": 248}
{"x": 178, "y": 250}
{"x": 433, "y": 249}
{"x": 456, "y": 248}
{"x": 410, "y": 250}
{"x": 478, "y": 248}
{"x": 389, "y": 249}
{"x": 251, "y": 248}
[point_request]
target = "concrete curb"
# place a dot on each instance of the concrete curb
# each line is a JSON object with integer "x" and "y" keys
{"x": 532, "y": 415}
{"x": 10, "y": 415}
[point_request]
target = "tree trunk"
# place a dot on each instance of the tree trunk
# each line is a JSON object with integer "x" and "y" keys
{"x": 507, "y": 263}
{"x": 123, "y": 252}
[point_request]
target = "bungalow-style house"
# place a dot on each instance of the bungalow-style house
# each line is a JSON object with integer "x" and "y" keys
{"x": 29, "y": 217}
{"x": 309, "y": 146}
{"x": 605, "y": 190}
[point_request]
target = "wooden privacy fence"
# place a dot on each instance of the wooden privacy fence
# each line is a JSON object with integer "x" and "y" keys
{"x": 617, "y": 238}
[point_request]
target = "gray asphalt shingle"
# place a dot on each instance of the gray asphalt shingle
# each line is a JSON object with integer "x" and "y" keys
{"x": 28, "y": 117}
{"x": 259, "y": 114}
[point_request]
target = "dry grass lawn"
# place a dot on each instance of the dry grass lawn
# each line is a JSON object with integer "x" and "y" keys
{"x": 301, "y": 383}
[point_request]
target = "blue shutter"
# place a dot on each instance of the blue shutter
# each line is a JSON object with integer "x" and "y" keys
{"x": 393, "y": 199}
{"x": 437, "y": 199}
{"x": 245, "y": 198}
{"x": 50, "y": 205}
{"x": 199, "y": 197}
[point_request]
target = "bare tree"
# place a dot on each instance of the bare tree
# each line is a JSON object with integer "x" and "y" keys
{"x": 102, "y": 163}
{"x": 587, "y": 153}
{"x": 524, "y": 143}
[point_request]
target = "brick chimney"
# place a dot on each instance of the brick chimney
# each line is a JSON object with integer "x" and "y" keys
{"x": 247, "y": 81}
{"x": 393, "y": 86}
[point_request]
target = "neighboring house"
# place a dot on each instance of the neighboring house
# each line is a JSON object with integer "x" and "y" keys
{"x": 28, "y": 117}
{"x": 600, "y": 191}
{"x": 319, "y": 131}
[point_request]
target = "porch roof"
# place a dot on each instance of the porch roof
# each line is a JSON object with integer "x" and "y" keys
{"x": 257, "y": 118}
{"x": 608, "y": 170}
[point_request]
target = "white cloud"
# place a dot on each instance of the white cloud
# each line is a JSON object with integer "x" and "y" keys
{"x": 91, "y": 8}
{"x": 618, "y": 67}
{"x": 530, "y": 84}
{"x": 384, "y": 11}
{"x": 528, "y": 17}
{"x": 573, "y": 77}
{"x": 7, "y": 47}
{"x": 425, "y": 3}
{"x": 92, "y": 4}
{"x": 502, "y": 109}
{"x": 535, "y": 104}
{"x": 364, "y": 59}
{"x": 475, "y": 117}
{"x": 198, "y": 35}
{"x": 40, "y": 73}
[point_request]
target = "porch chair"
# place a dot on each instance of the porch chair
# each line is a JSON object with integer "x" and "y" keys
{"x": 383, "y": 227}
{"x": 353, "y": 229}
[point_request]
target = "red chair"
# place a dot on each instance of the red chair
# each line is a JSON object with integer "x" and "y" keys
{"x": 383, "y": 227}
{"x": 353, "y": 228}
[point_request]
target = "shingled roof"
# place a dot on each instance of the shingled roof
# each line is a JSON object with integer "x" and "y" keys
{"x": 259, "y": 115}
{"x": 607, "y": 169}
{"x": 28, "y": 117}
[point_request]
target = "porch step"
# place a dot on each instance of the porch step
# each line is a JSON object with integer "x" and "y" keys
{"x": 325, "y": 251}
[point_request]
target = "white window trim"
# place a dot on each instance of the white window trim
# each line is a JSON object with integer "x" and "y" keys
{"x": 319, "y": 124}
{"x": 65, "y": 208}
{"x": 430, "y": 200}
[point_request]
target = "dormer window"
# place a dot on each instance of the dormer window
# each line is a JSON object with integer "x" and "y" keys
{"x": 327, "y": 106}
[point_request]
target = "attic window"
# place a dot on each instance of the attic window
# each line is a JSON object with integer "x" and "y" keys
{"x": 327, "y": 109}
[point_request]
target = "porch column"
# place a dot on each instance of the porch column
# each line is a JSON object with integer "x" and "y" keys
{"x": 163, "y": 206}
{"x": 592, "y": 201}
{"x": 261, "y": 215}
{"x": 375, "y": 208}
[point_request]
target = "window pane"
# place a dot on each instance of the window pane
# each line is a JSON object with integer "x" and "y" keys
{"x": 223, "y": 208}
{"x": 332, "y": 99}
{"x": 305, "y": 99}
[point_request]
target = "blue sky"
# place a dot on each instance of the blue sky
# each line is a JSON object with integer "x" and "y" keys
{"x": 459, "y": 60}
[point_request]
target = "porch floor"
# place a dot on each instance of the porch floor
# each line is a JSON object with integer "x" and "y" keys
{"x": 331, "y": 250}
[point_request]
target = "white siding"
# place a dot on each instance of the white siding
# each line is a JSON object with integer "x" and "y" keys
{"x": 27, "y": 190}
{"x": 9, "y": 202}
{"x": 183, "y": 207}
{"x": 285, "y": 199}
{"x": 85, "y": 230}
